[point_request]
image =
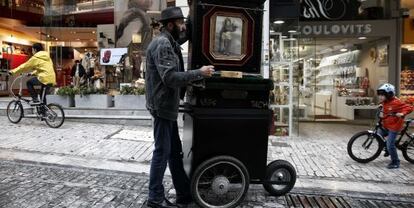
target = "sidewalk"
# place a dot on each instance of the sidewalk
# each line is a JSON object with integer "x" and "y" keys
{"x": 319, "y": 155}
{"x": 35, "y": 185}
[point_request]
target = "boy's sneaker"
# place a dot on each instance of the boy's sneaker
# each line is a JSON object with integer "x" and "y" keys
{"x": 386, "y": 153}
{"x": 393, "y": 166}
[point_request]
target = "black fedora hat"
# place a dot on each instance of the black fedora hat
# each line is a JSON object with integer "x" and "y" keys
{"x": 171, "y": 13}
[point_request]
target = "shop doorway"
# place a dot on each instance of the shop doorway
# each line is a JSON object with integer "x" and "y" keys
{"x": 339, "y": 76}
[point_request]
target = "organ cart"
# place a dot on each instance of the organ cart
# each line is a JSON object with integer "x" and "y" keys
{"x": 227, "y": 116}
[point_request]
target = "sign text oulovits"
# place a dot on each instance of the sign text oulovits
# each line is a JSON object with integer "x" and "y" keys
{"x": 336, "y": 29}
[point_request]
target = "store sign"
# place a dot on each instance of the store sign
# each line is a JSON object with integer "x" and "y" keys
{"x": 336, "y": 29}
{"x": 329, "y": 9}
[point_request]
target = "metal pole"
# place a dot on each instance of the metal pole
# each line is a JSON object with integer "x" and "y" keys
{"x": 265, "y": 42}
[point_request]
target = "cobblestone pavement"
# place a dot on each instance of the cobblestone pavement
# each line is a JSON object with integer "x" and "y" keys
{"x": 321, "y": 152}
{"x": 36, "y": 185}
{"x": 85, "y": 140}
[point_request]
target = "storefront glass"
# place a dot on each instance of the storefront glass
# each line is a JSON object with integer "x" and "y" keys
{"x": 343, "y": 53}
{"x": 340, "y": 76}
{"x": 284, "y": 64}
{"x": 80, "y": 30}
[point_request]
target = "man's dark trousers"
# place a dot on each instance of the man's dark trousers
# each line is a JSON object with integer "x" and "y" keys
{"x": 168, "y": 149}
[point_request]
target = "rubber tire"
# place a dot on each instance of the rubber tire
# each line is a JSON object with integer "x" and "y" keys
{"x": 405, "y": 154}
{"x": 63, "y": 115}
{"x": 21, "y": 112}
{"x": 207, "y": 163}
{"x": 377, "y": 153}
{"x": 271, "y": 168}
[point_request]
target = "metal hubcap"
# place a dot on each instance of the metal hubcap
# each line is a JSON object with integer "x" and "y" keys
{"x": 280, "y": 176}
{"x": 220, "y": 185}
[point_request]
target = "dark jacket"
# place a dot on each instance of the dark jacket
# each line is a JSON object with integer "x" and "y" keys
{"x": 165, "y": 75}
{"x": 81, "y": 71}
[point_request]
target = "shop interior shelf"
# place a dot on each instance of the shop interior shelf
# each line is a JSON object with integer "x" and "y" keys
{"x": 279, "y": 106}
{"x": 363, "y": 107}
{"x": 283, "y": 84}
{"x": 407, "y": 91}
{"x": 281, "y": 124}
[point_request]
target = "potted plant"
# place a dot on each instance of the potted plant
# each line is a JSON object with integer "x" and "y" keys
{"x": 64, "y": 96}
{"x": 87, "y": 97}
{"x": 131, "y": 98}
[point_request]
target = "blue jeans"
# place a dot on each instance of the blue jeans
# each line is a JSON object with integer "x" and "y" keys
{"x": 392, "y": 149}
{"x": 168, "y": 149}
{"x": 31, "y": 83}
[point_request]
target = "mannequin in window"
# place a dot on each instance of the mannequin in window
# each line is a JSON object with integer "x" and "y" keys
{"x": 78, "y": 72}
{"x": 364, "y": 84}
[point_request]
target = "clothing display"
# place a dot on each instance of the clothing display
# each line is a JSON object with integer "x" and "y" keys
{"x": 407, "y": 83}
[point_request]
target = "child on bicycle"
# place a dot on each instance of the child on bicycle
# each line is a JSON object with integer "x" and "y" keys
{"x": 42, "y": 67}
{"x": 393, "y": 112}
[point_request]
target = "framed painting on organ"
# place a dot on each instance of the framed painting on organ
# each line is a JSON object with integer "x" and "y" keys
{"x": 226, "y": 34}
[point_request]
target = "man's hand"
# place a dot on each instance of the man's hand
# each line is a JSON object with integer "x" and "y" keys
{"x": 207, "y": 71}
{"x": 399, "y": 115}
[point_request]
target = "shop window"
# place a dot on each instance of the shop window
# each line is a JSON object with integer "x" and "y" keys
{"x": 407, "y": 73}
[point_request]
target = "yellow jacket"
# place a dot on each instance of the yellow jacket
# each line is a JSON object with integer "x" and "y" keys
{"x": 42, "y": 67}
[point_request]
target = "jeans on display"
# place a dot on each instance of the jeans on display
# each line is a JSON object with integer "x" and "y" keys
{"x": 168, "y": 149}
{"x": 392, "y": 149}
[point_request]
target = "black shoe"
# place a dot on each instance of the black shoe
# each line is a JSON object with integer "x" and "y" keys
{"x": 184, "y": 202}
{"x": 386, "y": 154}
{"x": 393, "y": 166}
{"x": 163, "y": 204}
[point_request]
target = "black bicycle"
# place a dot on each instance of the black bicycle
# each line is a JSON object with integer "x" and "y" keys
{"x": 366, "y": 146}
{"x": 51, "y": 113}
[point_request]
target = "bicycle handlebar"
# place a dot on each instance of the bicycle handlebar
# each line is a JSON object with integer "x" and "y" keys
{"x": 20, "y": 78}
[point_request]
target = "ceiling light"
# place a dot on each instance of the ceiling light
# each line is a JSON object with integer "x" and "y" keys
{"x": 48, "y": 36}
{"x": 272, "y": 31}
{"x": 56, "y": 39}
{"x": 343, "y": 50}
{"x": 292, "y": 31}
{"x": 284, "y": 36}
{"x": 279, "y": 22}
{"x": 93, "y": 32}
{"x": 362, "y": 38}
{"x": 92, "y": 39}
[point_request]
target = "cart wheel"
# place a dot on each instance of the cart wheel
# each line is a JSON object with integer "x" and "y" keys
{"x": 280, "y": 178}
{"x": 220, "y": 182}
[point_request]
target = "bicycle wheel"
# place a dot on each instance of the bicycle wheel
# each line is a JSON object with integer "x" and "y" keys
{"x": 54, "y": 115}
{"x": 365, "y": 147}
{"x": 15, "y": 111}
{"x": 220, "y": 182}
{"x": 408, "y": 151}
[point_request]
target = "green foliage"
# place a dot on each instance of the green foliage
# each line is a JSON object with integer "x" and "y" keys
{"x": 89, "y": 91}
{"x": 132, "y": 90}
{"x": 66, "y": 91}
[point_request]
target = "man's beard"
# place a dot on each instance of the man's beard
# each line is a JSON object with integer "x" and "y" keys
{"x": 175, "y": 33}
